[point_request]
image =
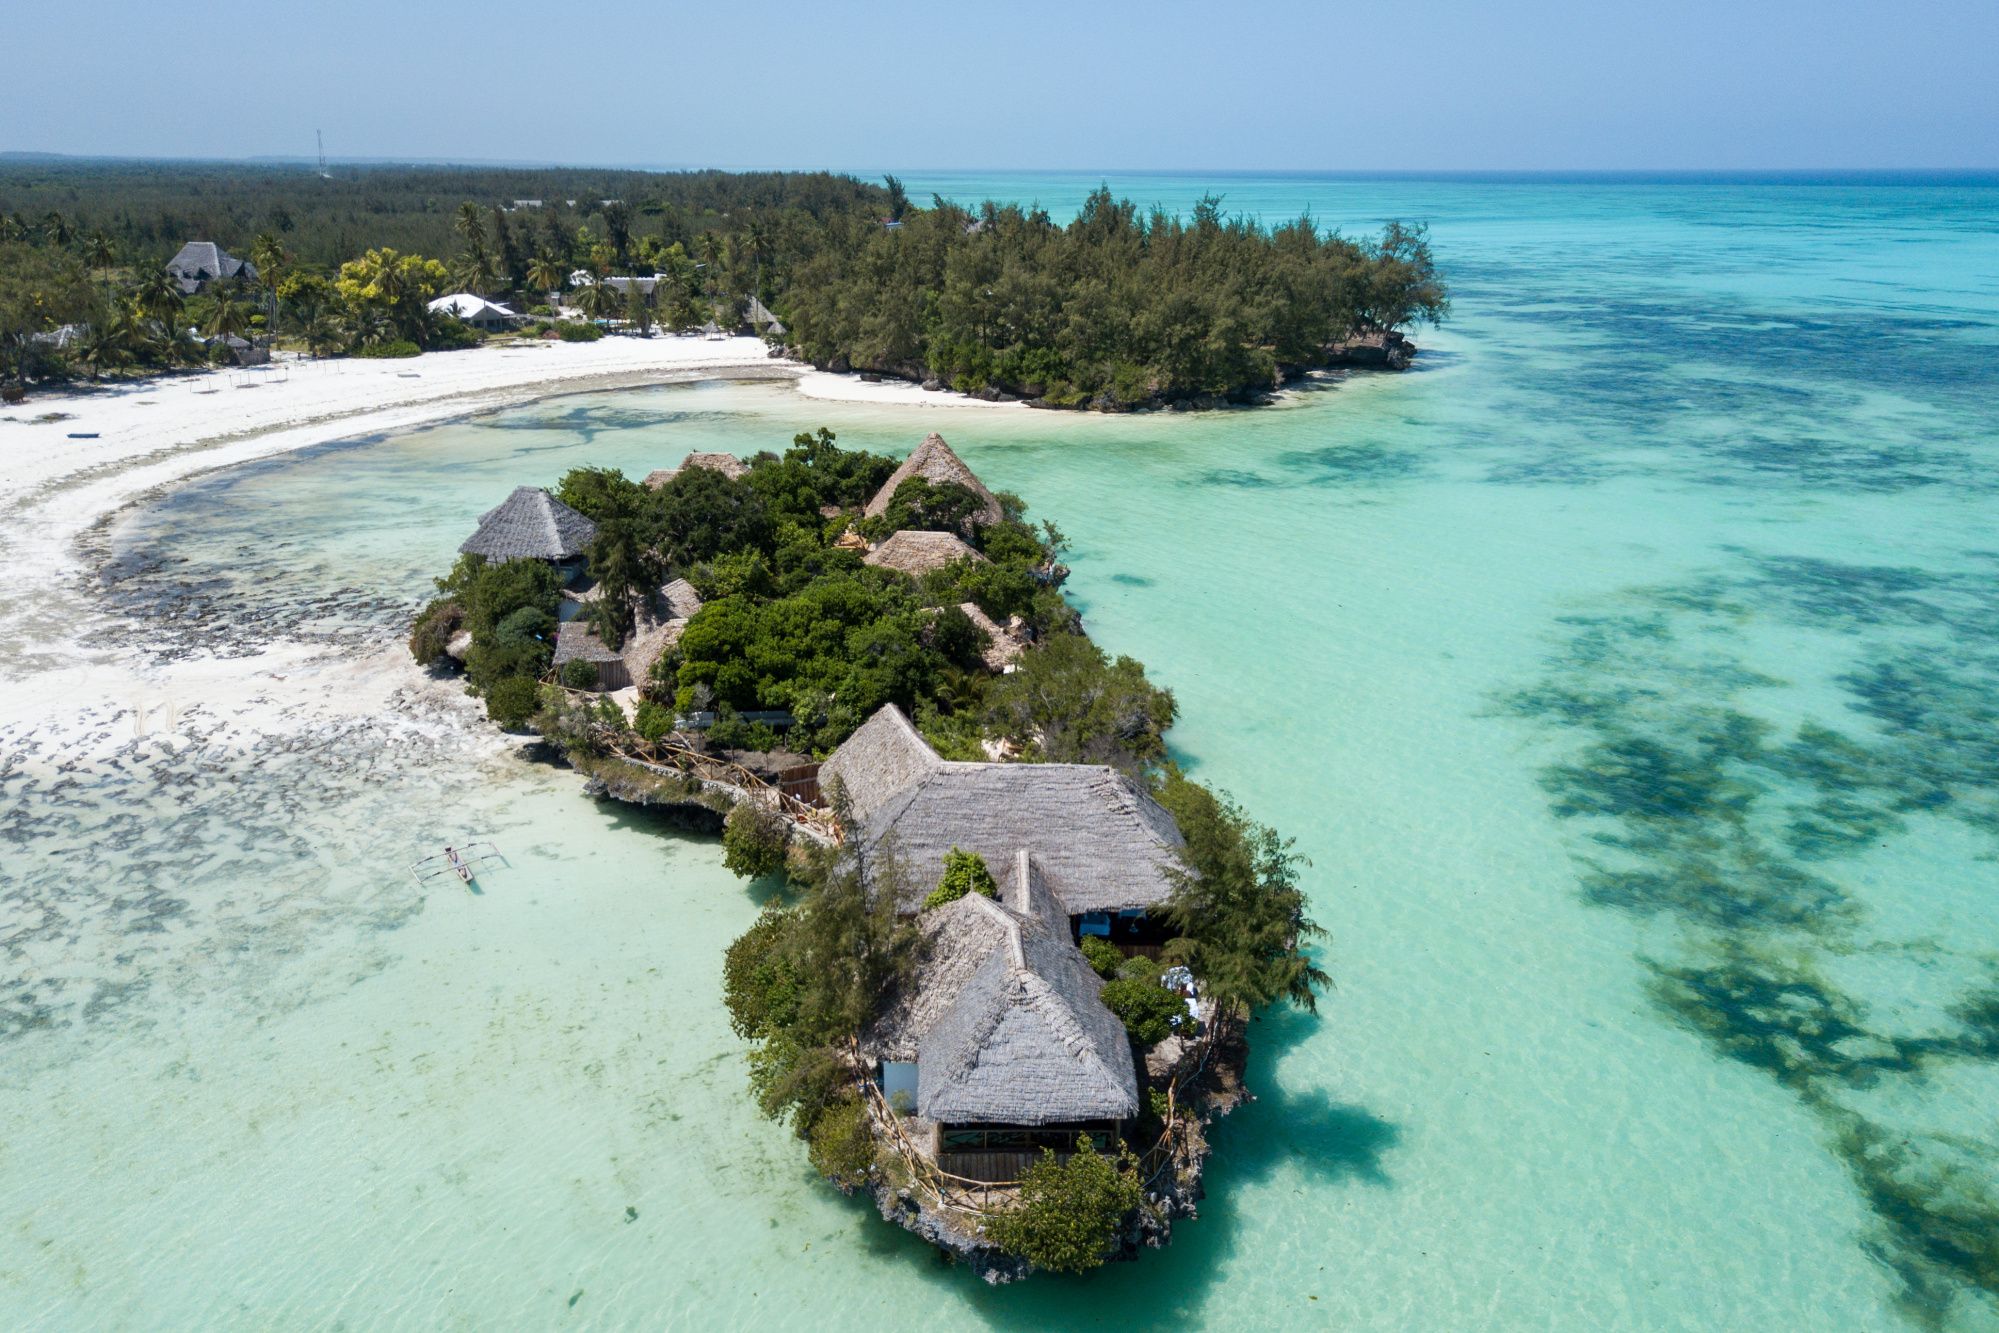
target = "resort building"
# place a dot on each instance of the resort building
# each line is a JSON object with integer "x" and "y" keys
{"x": 934, "y": 461}
{"x": 1101, "y": 847}
{"x": 657, "y": 629}
{"x": 531, "y": 524}
{"x": 917, "y": 553}
{"x": 199, "y": 263}
{"x": 1001, "y": 1046}
{"x": 477, "y": 311}
{"x": 728, "y": 465}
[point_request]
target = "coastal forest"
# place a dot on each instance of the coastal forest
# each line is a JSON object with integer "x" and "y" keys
{"x": 1120, "y": 308}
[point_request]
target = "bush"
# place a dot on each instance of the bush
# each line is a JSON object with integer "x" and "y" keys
{"x": 964, "y": 872}
{"x": 1140, "y": 969}
{"x": 1103, "y": 955}
{"x": 436, "y": 625}
{"x": 571, "y": 332}
{"x": 759, "y": 985}
{"x": 841, "y": 1145}
{"x": 512, "y": 700}
{"x": 400, "y": 347}
{"x": 652, "y": 720}
{"x": 753, "y": 841}
{"x": 1147, "y": 1009}
{"x": 1070, "y": 1211}
{"x": 578, "y": 674}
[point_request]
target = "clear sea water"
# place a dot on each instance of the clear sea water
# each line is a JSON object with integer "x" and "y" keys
{"x": 1629, "y": 672}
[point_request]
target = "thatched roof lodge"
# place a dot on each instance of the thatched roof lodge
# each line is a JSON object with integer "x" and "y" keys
{"x": 658, "y": 628}
{"x": 1001, "y": 1043}
{"x": 728, "y": 465}
{"x": 1097, "y": 840}
{"x": 916, "y": 553}
{"x": 531, "y": 524}
{"x": 937, "y": 464}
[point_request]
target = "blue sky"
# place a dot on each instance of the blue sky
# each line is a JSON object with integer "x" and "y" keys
{"x": 1432, "y": 85}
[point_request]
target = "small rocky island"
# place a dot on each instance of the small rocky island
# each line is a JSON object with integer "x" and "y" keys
{"x": 1005, "y": 988}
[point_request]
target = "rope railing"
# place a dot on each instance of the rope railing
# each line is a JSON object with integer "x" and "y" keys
{"x": 708, "y": 767}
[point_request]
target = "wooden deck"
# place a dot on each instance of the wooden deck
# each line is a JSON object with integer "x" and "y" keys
{"x": 989, "y": 1166}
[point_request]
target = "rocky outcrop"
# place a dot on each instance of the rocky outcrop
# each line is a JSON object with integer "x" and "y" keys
{"x": 1376, "y": 351}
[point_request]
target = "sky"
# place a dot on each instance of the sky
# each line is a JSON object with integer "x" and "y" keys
{"x": 1164, "y": 85}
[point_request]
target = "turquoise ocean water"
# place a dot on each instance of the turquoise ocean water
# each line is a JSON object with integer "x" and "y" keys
{"x": 1629, "y": 672}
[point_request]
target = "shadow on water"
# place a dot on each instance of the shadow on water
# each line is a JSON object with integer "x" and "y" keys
{"x": 1304, "y": 1136}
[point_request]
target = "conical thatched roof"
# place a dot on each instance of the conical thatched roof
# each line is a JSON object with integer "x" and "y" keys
{"x": 1026, "y": 1040}
{"x": 531, "y": 524}
{"x": 916, "y": 553}
{"x": 936, "y": 464}
{"x": 1100, "y": 842}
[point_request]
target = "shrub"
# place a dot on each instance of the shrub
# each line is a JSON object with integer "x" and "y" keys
{"x": 400, "y": 347}
{"x": 1103, "y": 955}
{"x": 964, "y": 872}
{"x": 435, "y": 627}
{"x": 1147, "y": 1009}
{"x": 1070, "y": 1211}
{"x": 753, "y": 841}
{"x": 578, "y": 674}
{"x": 759, "y": 985}
{"x": 1140, "y": 969}
{"x": 652, "y": 720}
{"x": 841, "y": 1145}
{"x": 512, "y": 700}
{"x": 571, "y": 332}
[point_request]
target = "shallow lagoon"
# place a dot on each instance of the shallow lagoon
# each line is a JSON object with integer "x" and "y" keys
{"x": 1627, "y": 673}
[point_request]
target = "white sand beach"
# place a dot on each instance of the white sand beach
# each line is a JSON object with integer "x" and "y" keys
{"x": 71, "y": 461}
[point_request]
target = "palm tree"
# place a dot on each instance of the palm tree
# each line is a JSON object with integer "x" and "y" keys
{"x": 473, "y": 270}
{"x": 267, "y": 253}
{"x": 110, "y": 343}
{"x": 370, "y": 326}
{"x": 471, "y": 224}
{"x": 230, "y": 318}
{"x": 98, "y": 254}
{"x": 315, "y": 324}
{"x": 600, "y": 300}
{"x": 546, "y": 273}
{"x": 57, "y": 228}
{"x": 160, "y": 298}
{"x": 638, "y": 310}
{"x": 618, "y": 228}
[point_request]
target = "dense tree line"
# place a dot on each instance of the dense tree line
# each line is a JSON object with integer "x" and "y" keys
{"x": 1117, "y": 309}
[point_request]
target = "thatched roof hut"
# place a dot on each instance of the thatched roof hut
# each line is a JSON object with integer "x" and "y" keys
{"x": 1098, "y": 840}
{"x": 728, "y": 465}
{"x": 1003, "y": 644}
{"x": 936, "y": 464}
{"x": 1004, "y": 1021}
{"x": 659, "y": 628}
{"x": 1027, "y": 1041}
{"x": 531, "y": 524}
{"x": 916, "y": 553}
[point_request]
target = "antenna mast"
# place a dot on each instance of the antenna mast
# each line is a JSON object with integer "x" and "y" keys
{"x": 322, "y": 155}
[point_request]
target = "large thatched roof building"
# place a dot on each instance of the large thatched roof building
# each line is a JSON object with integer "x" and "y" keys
{"x": 916, "y": 553}
{"x": 1099, "y": 842}
{"x": 531, "y": 524}
{"x": 199, "y": 263}
{"x": 935, "y": 463}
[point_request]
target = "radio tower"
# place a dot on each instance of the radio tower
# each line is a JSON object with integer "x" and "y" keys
{"x": 323, "y": 174}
